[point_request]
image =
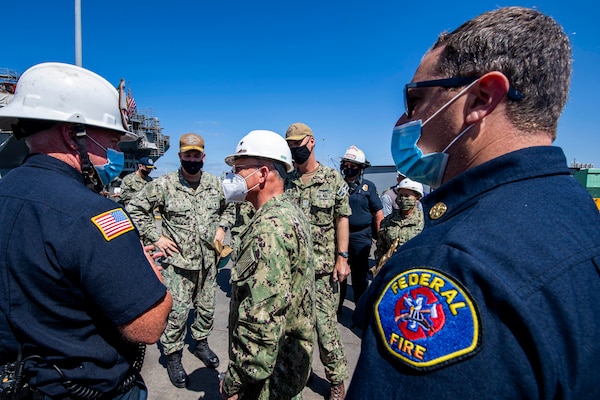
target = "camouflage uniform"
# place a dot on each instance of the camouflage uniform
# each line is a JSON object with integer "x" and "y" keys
{"x": 395, "y": 226}
{"x": 130, "y": 185}
{"x": 323, "y": 199}
{"x": 190, "y": 219}
{"x": 271, "y": 318}
{"x": 243, "y": 214}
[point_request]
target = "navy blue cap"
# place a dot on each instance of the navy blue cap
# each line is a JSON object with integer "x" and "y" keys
{"x": 147, "y": 162}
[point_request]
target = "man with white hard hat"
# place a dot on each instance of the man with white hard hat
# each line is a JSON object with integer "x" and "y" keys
{"x": 271, "y": 318}
{"x": 367, "y": 213}
{"x": 80, "y": 295}
{"x": 402, "y": 224}
{"x": 388, "y": 197}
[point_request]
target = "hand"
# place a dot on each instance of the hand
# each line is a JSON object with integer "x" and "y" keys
{"x": 166, "y": 246}
{"x": 341, "y": 269}
{"x": 220, "y": 234}
{"x": 224, "y": 395}
{"x": 151, "y": 257}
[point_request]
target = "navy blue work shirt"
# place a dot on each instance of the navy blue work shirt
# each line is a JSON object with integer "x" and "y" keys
{"x": 497, "y": 297}
{"x": 364, "y": 203}
{"x": 72, "y": 270}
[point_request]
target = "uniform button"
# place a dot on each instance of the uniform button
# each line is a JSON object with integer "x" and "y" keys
{"x": 438, "y": 211}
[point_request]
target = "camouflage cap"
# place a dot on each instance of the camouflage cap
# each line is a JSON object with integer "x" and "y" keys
{"x": 298, "y": 131}
{"x": 191, "y": 141}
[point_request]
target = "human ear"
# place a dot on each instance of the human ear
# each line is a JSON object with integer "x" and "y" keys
{"x": 67, "y": 133}
{"x": 489, "y": 91}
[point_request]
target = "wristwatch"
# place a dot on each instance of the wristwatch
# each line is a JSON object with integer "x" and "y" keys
{"x": 343, "y": 254}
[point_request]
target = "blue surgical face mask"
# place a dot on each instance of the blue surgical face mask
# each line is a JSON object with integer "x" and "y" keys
{"x": 115, "y": 160}
{"x": 428, "y": 168}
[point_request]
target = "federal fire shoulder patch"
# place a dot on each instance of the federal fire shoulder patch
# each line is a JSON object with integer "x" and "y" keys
{"x": 427, "y": 319}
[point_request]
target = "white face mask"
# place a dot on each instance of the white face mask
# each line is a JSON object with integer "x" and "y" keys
{"x": 235, "y": 188}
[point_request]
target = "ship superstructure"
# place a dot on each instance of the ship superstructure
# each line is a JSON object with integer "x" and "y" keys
{"x": 150, "y": 143}
{"x": 12, "y": 151}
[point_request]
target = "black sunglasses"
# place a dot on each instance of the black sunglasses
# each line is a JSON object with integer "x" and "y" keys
{"x": 455, "y": 82}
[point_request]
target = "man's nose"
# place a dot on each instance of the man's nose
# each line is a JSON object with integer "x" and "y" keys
{"x": 403, "y": 119}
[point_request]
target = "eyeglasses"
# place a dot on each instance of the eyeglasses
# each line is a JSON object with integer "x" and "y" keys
{"x": 238, "y": 167}
{"x": 447, "y": 83}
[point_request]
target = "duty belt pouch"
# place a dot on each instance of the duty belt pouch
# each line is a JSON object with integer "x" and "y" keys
{"x": 13, "y": 384}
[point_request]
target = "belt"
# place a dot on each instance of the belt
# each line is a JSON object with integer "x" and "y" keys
{"x": 80, "y": 392}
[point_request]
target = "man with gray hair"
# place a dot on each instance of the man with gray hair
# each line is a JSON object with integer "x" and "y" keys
{"x": 80, "y": 297}
{"x": 271, "y": 317}
{"x": 493, "y": 299}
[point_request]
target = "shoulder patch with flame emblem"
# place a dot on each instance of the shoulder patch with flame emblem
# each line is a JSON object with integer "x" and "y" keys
{"x": 427, "y": 319}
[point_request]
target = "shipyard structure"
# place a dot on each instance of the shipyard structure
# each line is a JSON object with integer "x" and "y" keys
{"x": 151, "y": 142}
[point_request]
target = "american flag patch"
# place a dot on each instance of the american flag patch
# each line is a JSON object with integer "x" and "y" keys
{"x": 113, "y": 223}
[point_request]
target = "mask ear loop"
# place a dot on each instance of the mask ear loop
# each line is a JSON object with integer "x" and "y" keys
{"x": 457, "y": 137}
{"x": 90, "y": 175}
{"x": 444, "y": 107}
{"x": 450, "y": 101}
{"x": 255, "y": 186}
{"x": 94, "y": 140}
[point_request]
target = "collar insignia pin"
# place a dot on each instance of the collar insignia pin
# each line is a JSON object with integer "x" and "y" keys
{"x": 438, "y": 211}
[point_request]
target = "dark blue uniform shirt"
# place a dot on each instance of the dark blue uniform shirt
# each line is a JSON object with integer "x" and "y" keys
{"x": 71, "y": 270}
{"x": 364, "y": 202}
{"x": 497, "y": 298}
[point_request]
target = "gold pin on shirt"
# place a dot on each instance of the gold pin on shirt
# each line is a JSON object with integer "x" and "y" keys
{"x": 438, "y": 211}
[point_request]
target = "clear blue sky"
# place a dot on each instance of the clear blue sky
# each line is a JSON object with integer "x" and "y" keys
{"x": 224, "y": 68}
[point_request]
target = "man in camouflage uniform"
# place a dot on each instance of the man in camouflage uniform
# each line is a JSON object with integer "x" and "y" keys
{"x": 271, "y": 318}
{"x": 243, "y": 214}
{"x": 194, "y": 215}
{"x": 404, "y": 223}
{"x": 322, "y": 195}
{"x": 135, "y": 181}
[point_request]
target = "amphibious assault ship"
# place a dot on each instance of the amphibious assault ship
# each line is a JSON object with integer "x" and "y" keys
{"x": 151, "y": 142}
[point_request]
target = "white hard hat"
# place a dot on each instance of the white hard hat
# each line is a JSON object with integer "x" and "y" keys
{"x": 355, "y": 155}
{"x": 263, "y": 144}
{"x": 410, "y": 184}
{"x": 65, "y": 93}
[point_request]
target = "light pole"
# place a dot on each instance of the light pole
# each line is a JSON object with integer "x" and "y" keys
{"x": 78, "y": 58}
